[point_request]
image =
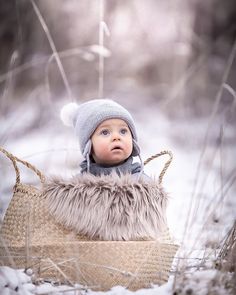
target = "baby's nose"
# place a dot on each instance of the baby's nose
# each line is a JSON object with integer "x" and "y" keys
{"x": 115, "y": 136}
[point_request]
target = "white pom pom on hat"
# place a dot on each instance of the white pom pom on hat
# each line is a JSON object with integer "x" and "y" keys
{"x": 68, "y": 114}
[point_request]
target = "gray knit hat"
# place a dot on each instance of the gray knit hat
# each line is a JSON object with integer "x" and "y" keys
{"x": 86, "y": 117}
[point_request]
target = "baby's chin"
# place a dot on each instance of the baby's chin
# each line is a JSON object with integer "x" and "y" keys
{"x": 113, "y": 162}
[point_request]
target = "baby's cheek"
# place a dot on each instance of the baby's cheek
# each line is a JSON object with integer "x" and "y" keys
{"x": 101, "y": 149}
{"x": 129, "y": 146}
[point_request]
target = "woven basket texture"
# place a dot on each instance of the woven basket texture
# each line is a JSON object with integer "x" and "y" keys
{"x": 31, "y": 238}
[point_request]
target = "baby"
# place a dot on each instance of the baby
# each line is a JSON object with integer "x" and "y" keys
{"x": 107, "y": 137}
{"x": 125, "y": 204}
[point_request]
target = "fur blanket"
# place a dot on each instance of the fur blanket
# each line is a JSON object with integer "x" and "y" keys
{"x": 108, "y": 207}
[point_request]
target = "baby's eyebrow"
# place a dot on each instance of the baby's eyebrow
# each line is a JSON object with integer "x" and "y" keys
{"x": 109, "y": 126}
{"x": 104, "y": 126}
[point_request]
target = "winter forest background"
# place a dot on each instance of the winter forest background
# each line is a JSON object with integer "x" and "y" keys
{"x": 171, "y": 63}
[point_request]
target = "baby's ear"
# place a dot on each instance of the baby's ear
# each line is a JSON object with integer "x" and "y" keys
{"x": 136, "y": 148}
{"x": 68, "y": 113}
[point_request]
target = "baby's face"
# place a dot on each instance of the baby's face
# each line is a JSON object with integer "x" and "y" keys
{"x": 111, "y": 142}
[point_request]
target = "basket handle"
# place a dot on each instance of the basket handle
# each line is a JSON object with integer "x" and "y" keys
{"x": 14, "y": 161}
{"x": 167, "y": 164}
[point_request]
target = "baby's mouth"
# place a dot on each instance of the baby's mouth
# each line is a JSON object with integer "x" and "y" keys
{"x": 116, "y": 148}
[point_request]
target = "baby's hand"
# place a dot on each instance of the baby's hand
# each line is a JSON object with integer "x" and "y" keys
{"x": 15, "y": 281}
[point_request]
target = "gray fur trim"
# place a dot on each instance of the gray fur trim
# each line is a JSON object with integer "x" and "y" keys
{"x": 108, "y": 207}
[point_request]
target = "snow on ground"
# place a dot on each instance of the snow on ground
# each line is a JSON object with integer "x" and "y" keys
{"x": 200, "y": 180}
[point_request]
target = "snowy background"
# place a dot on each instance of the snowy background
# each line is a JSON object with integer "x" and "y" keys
{"x": 175, "y": 74}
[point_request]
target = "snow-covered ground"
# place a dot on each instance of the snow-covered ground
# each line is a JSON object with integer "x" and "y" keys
{"x": 200, "y": 180}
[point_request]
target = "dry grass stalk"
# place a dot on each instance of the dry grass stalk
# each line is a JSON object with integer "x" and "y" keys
{"x": 53, "y": 47}
{"x": 101, "y": 43}
{"x": 60, "y": 271}
{"x": 193, "y": 205}
{"x": 227, "y": 256}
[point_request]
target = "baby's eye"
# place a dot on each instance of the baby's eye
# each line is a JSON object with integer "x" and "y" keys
{"x": 123, "y": 131}
{"x": 105, "y": 132}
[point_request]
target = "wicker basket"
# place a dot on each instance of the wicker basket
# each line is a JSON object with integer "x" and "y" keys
{"x": 31, "y": 238}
